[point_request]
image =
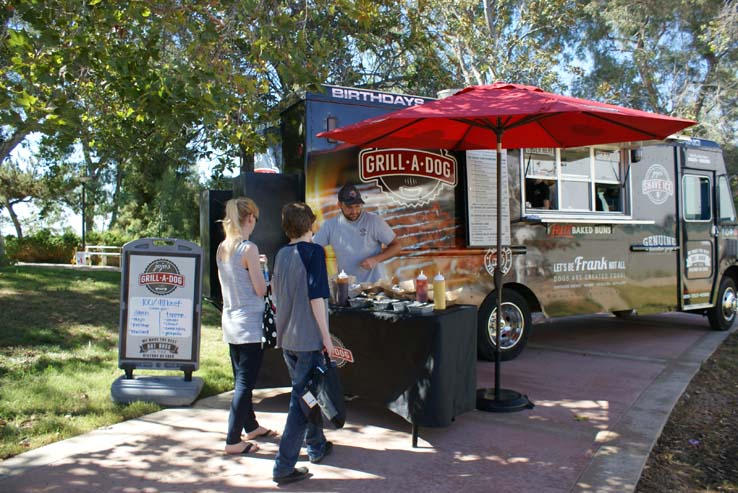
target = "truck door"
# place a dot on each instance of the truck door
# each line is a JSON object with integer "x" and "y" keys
{"x": 698, "y": 238}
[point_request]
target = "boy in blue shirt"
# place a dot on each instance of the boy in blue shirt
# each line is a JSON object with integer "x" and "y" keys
{"x": 301, "y": 289}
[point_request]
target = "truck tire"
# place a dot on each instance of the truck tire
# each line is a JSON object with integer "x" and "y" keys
{"x": 722, "y": 315}
{"x": 515, "y": 328}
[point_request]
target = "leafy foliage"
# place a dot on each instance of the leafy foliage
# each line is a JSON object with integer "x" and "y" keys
{"x": 4, "y": 260}
{"x": 504, "y": 40}
{"x": 128, "y": 96}
{"x": 42, "y": 247}
{"x": 669, "y": 57}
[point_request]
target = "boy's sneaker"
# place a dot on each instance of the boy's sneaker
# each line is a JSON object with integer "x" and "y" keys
{"x": 327, "y": 451}
{"x": 297, "y": 474}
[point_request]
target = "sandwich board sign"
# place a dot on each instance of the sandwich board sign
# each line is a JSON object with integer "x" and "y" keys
{"x": 160, "y": 320}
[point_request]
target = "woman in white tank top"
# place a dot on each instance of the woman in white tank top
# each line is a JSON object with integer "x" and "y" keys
{"x": 243, "y": 286}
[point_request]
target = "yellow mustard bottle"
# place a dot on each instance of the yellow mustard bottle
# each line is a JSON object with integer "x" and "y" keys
{"x": 439, "y": 292}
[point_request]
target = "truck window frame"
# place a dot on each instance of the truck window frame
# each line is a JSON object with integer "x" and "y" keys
{"x": 725, "y": 194}
{"x": 705, "y": 192}
{"x": 563, "y": 181}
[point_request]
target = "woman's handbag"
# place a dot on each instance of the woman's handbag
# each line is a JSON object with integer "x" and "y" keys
{"x": 330, "y": 393}
{"x": 269, "y": 326}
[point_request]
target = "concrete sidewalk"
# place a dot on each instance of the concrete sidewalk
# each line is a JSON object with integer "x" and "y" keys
{"x": 603, "y": 390}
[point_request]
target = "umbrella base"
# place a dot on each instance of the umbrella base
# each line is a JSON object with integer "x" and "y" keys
{"x": 508, "y": 401}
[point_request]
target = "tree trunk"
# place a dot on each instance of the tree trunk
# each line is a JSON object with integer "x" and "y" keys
{"x": 116, "y": 196}
{"x": 7, "y": 146}
{"x": 91, "y": 178}
{"x": 705, "y": 86}
{"x": 247, "y": 160}
{"x": 14, "y": 218}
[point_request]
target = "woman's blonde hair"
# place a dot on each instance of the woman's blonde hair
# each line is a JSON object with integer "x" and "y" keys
{"x": 236, "y": 211}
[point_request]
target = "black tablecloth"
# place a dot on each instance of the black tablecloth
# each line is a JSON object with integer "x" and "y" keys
{"x": 422, "y": 367}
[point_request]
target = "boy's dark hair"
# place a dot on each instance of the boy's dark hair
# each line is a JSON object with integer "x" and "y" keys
{"x": 297, "y": 219}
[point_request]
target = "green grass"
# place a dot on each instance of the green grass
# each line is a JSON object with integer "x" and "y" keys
{"x": 59, "y": 356}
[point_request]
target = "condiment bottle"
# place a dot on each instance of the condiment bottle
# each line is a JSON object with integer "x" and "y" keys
{"x": 342, "y": 284}
{"x": 421, "y": 288}
{"x": 265, "y": 269}
{"x": 439, "y": 292}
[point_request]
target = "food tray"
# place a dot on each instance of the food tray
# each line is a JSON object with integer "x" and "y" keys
{"x": 417, "y": 308}
{"x": 359, "y": 302}
{"x": 399, "y": 306}
{"x": 384, "y": 304}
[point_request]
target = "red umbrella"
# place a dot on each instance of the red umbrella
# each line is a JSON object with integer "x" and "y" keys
{"x": 519, "y": 115}
{"x": 507, "y": 116}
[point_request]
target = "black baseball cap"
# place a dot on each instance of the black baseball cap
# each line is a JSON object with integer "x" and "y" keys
{"x": 349, "y": 195}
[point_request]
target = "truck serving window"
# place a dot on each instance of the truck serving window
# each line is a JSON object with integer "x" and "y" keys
{"x": 585, "y": 179}
{"x": 540, "y": 179}
{"x": 696, "y": 198}
{"x": 726, "y": 208}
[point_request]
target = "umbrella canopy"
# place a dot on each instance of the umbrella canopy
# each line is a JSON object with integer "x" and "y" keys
{"x": 518, "y": 115}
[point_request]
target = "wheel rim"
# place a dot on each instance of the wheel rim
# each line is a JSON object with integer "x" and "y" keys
{"x": 513, "y": 325}
{"x": 730, "y": 303}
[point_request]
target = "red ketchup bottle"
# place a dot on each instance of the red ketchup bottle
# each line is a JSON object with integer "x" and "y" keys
{"x": 421, "y": 288}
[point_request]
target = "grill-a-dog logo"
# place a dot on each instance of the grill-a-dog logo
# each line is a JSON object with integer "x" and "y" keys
{"x": 408, "y": 176}
{"x": 341, "y": 354}
{"x": 161, "y": 277}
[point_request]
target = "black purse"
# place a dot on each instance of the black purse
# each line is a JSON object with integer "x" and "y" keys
{"x": 269, "y": 325}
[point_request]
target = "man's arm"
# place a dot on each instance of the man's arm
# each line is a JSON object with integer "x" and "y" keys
{"x": 392, "y": 250}
{"x": 322, "y": 237}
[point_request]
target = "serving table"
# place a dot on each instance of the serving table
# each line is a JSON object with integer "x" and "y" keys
{"x": 420, "y": 366}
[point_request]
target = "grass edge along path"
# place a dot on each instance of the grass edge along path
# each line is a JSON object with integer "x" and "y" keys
{"x": 59, "y": 356}
{"x": 698, "y": 447}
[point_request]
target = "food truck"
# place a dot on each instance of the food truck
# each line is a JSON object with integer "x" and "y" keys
{"x": 629, "y": 228}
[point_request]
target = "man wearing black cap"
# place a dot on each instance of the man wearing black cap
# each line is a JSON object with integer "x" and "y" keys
{"x": 357, "y": 238}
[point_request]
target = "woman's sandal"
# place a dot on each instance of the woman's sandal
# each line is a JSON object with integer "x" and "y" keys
{"x": 267, "y": 433}
{"x": 241, "y": 448}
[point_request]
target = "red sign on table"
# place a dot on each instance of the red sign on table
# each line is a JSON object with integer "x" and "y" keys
{"x": 343, "y": 354}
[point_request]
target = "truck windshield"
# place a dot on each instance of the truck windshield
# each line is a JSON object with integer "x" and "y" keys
{"x": 725, "y": 201}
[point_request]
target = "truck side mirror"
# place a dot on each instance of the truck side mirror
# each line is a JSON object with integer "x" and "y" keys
{"x": 636, "y": 155}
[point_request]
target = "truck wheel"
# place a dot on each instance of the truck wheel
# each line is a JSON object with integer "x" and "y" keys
{"x": 516, "y": 324}
{"x": 722, "y": 315}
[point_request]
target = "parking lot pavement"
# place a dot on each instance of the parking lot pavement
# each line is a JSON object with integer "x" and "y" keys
{"x": 603, "y": 389}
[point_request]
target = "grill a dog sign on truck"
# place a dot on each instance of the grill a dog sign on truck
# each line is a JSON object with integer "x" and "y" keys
{"x": 627, "y": 228}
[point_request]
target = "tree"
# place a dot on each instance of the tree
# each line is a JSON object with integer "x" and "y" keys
{"x": 501, "y": 40}
{"x": 676, "y": 58}
{"x": 16, "y": 186}
{"x": 36, "y": 69}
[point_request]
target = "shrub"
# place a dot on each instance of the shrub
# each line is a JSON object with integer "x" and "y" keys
{"x": 109, "y": 238}
{"x": 4, "y": 260}
{"x": 43, "y": 247}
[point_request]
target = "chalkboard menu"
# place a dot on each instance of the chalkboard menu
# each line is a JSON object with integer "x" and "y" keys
{"x": 481, "y": 202}
{"x": 161, "y": 289}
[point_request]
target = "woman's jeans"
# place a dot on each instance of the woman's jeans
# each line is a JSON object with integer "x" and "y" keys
{"x": 298, "y": 429}
{"x": 246, "y": 362}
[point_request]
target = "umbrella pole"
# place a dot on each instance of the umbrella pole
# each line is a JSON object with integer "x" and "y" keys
{"x": 498, "y": 271}
{"x": 500, "y": 400}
